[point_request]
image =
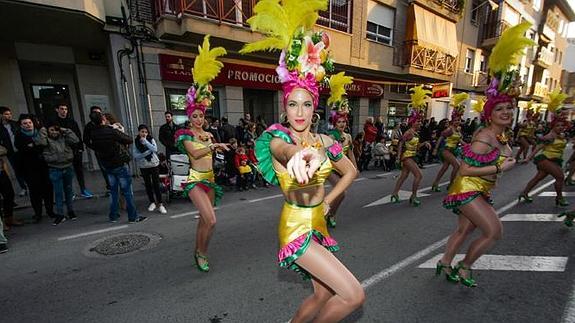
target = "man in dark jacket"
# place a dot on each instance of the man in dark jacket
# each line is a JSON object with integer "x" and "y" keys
{"x": 111, "y": 149}
{"x": 88, "y": 141}
{"x": 167, "y": 132}
{"x": 63, "y": 120}
{"x": 8, "y": 132}
{"x": 227, "y": 131}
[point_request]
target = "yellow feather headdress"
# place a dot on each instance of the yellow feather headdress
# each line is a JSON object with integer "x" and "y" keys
{"x": 478, "y": 105}
{"x": 206, "y": 69}
{"x": 457, "y": 103}
{"x": 418, "y": 101}
{"x": 555, "y": 100}
{"x": 505, "y": 55}
{"x": 337, "y": 85}
{"x": 280, "y": 20}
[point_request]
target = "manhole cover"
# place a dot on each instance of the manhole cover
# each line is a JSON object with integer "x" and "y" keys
{"x": 121, "y": 244}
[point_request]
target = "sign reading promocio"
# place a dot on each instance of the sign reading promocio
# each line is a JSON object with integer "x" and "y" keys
{"x": 179, "y": 69}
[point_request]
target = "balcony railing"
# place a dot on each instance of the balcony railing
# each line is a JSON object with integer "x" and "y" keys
{"x": 428, "y": 59}
{"x": 338, "y": 15}
{"x": 480, "y": 79}
{"x": 454, "y": 6}
{"x": 541, "y": 90}
{"x": 493, "y": 30}
{"x": 545, "y": 57}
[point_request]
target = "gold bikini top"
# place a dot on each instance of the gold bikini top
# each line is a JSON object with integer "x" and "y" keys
{"x": 199, "y": 145}
{"x": 288, "y": 184}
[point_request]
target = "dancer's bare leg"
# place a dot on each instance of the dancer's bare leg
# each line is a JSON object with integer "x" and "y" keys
{"x": 313, "y": 303}
{"x": 207, "y": 221}
{"x": 541, "y": 174}
{"x": 557, "y": 173}
{"x": 333, "y": 179}
{"x": 411, "y": 165}
{"x": 457, "y": 238}
{"x": 402, "y": 177}
{"x": 327, "y": 269}
{"x": 483, "y": 216}
{"x": 441, "y": 172}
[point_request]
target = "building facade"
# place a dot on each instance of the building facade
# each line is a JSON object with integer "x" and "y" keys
{"x": 134, "y": 58}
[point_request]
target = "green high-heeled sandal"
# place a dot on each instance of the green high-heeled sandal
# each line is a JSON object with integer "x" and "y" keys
{"x": 525, "y": 197}
{"x": 561, "y": 201}
{"x": 435, "y": 188}
{"x": 469, "y": 281}
{"x": 414, "y": 200}
{"x": 330, "y": 220}
{"x": 395, "y": 198}
{"x": 450, "y": 276}
{"x": 205, "y": 266}
{"x": 569, "y": 217}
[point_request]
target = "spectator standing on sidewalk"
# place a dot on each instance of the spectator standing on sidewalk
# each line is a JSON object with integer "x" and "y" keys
{"x": 59, "y": 145}
{"x": 33, "y": 166}
{"x": 63, "y": 120}
{"x": 88, "y": 141}
{"x": 166, "y": 136}
{"x": 146, "y": 154}
{"x": 7, "y": 134}
{"x": 227, "y": 131}
{"x": 110, "y": 146}
{"x": 7, "y": 193}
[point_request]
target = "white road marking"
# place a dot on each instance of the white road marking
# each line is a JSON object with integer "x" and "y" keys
{"x": 569, "y": 313}
{"x": 181, "y": 215}
{"x": 403, "y": 195}
{"x": 554, "y": 194}
{"x": 74, "y": 236}
{"x": 265, "y": 198}
{"x": 385, "y": 174}
{"x": 531, "y": 217}
{"x": 386, "y": 273}
{"x": 359, "y": 179}
{"x": 511, "y": 263}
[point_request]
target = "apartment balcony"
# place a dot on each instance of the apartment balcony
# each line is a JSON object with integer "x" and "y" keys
{"x": 540, "y": 91}
{"x": 228, "y": 18}
{"x": 548, "y": 33}
{"x": 428, "y": 62}
{"x": 450, "y": 9}
{"x": 545, "y": 57}
{"x": 490, "y": 33}
{"x": 480, "y": 80}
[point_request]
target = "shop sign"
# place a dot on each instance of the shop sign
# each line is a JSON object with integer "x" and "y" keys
{"x": 179, "y": 69}
{"x": 441, "y": 90}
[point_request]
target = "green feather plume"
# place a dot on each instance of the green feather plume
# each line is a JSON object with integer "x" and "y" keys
{"x": 206, "y": 65}
{"x": 337, "y": 85}
{"x": 419, "y": 96}
{"x": 279, "y": 21}
{"x": 509, "y": 48}
{"x": 555, "y": 100}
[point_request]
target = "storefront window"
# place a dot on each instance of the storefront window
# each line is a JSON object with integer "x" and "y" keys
{"x": 396, "y": 113}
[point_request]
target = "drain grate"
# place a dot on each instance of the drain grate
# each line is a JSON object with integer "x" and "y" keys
{"x": 121, "y": 244}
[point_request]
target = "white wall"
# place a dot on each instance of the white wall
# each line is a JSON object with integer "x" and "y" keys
{"x": 11, "y": 89}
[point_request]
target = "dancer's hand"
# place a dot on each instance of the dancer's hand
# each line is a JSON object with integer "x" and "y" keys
{"x": 508, "y": 163}
{"x": 221, "y": 147}
{"x": 303, "y": 164}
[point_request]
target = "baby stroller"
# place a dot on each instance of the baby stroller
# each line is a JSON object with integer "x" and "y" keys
{"x": 178, "y": 170}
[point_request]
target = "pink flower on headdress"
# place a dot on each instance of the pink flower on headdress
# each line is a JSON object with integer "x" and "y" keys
{"x": 191, "y": 104}
{"x": 310, "y": 61}
{"x": 492, "y": 89}
{"x": 413, "y": 117}
{"x": 281, "y": 70}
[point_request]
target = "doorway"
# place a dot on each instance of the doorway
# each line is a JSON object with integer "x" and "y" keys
{"x": 260, "y": 103}
{"x": 47, "y": 97}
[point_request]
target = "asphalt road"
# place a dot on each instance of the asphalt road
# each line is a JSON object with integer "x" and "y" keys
{"x": 53, "y": 274}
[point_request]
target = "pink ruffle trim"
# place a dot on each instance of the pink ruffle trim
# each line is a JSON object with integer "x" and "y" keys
{"x": 279, "y": 127}
{"x": 181, "y": 132}
{"x": 482, "y": 158}
{"x": 456, "y": 198}
{"x": 291, "y": 248}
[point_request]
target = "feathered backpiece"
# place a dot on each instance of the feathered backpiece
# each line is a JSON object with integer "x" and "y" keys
{"x": 530, "y": 110}
{"x": 206, "y": 68}
{"x": 336, "y": 101}
{"x": 505, "y": 80}
{"x": 304, "y": 58}
{"x": 555, "y": 100}
{"x": 457, "y": 104}
{"x": 478, "y": 105}
{"x": 418, "y": 102}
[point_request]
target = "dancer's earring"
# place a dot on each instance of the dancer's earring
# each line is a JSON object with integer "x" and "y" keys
{"x": 283, "y": 118}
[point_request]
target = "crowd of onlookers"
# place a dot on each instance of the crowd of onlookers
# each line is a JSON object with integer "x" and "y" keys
{"x": 45, "y": 156}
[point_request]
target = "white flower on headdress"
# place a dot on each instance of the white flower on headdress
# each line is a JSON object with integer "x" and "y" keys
{"x": 310, "y": 61}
